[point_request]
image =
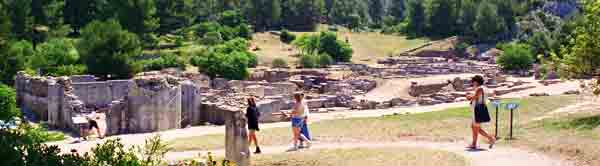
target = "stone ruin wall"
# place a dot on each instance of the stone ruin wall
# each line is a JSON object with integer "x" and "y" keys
{"x": 127, "y": 106}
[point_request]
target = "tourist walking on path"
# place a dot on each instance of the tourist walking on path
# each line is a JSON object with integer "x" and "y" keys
{"x": 298, "y": 116}
{"x": 92, "y": 123}
{"x": 252, "y": 114}
{"x": 480, "y": 112}
{"x": 304, "y": 130}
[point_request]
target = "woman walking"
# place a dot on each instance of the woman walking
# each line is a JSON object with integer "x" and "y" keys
{"x": 252, "y": 114}
{"x": 304, "y": 130}
{"x": 298, "y": 116}
{"x": 480, "y": 112}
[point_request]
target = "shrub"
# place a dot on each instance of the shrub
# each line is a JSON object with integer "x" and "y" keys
{"x": 325, "y": 43}
{"x": 461, "y": 49}
{"x": 244, "y": 31}
{"x": 516, "y": 57}
{"x": 8, "y": 104}
{"x": 67, "y": 70}
{"x": 279, "y": 63}
{"x": 232, "y": 65}
{"x": 309, "y": 61}
{"x": 286, "y": 36}
{"x": 212, "y": 38}
{"x": 325, "y": 60}
{"x": 108, "y": 50}
{"x": 166, "y": 60}
{"x": 206, "y": 27}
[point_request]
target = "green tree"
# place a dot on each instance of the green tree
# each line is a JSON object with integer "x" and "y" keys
{"x": 263, "y": 13}
{"x": 14, "y": 59}
{"x": 173, "y": 15}
{"x": 415, "y": 17}
{"x": 377, "y": 11}
{"x": 19, "y": 12}
{"x": 582, "y": 56}
{"x": 302, "y": 14}
{"x": 47, "y": 12}
{"x": 339, "y": 50}
{"x": 5, "y": 24}
{"x": 441, "y": 17}
{"x": 8, "y": 104}
{"x": 543, "y": 43}
{"x": 137, "y": 16}
{"x": 108, "y": 44}
{"x": 79, "y": 13}
{"x": 468, "y": 15}
{"x": 516, "y": 57}
{"x": 54, "y": 56}
{"x": 325, "y": 60}
{"x": 309, "y": 61}
{"x": 487, "y": 23}
{"x": 217, "y": 64}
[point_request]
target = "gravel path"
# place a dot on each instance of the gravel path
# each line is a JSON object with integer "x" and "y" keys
{"x": 138, "y": 139}
{"x": 499, "y": 156}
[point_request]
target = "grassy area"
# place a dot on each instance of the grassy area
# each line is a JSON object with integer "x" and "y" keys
{"x": 446, "y": 125}
{"x": 368, "y": 46}
{"x": 362, "y": 156}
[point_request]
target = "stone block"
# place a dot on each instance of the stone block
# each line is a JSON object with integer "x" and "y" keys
{"x": 267, "y": 108}
{"x": 83, "y": 78}
{"x": 256, "y": 90}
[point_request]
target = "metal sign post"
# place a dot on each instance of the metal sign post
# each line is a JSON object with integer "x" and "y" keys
{"x": 512, "y": 107}
{"x": 496, "y": 104}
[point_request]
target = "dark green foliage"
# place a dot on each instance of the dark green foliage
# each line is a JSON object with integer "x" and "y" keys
{"x": 19, "y": 12}
{"x": 53, "y": 55}
{"x": 229, "y": 60}
{"x": 174, "y": 15}
{"x": 212, "y": 38}
{"x": 302, "y": 14}
{"x": 13, "y": 59}
{"x": 330, "y": 45}
{"x": 107, "y": 44}
{"x": 581, "y": 57}
{"x": 325, "y": 43}
{"x": 231, "y": 18}
{"x": 543, "y": 43}
{"x": 263, "y": 13}
{"x": 488, "y": 24}
{"x": 286, "y": 36}
{"x": 325, "y": 60}
{"x": 516, "y": 57}
{"x": 166, "y": 60}
{"x": 441, "y": 17}
{"x": 415, "y": 17}
{"x": 137, "y": 16}
{"x": 8, "y": 104}
{"x": 460, "y": 49}
{"x": 279, "y": 63}
{"x": 309, "y": 61}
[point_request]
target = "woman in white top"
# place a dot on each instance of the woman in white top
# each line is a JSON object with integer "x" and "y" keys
{"x": 480, "y": 115}
{"x": 297, "y": 117}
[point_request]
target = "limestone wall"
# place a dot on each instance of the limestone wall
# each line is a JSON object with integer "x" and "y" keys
{"x": 190, "y": 104}
{"x": 153, "y": 109}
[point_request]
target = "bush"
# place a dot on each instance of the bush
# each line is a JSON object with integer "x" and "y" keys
{"x": 8, "y": 104}
{"x": 461, "y": 49}
{"x": 325, "y": 43}
{"x": 325, "y": 60}
{"x": 244, "y": 31}
{"x": 286, "y": 36}
{"x": 516, "y": 57}
{"x": 212, "y": 38}
{"x": 279, "y": 63}
{"x": 67, "y": 70}
{"x": 166, "y": 60}
{"x": 309, "y": 61}
{"x": 233, "y": 65}
{"x": 206, "y": 27}
{"x": 108, "y": 50}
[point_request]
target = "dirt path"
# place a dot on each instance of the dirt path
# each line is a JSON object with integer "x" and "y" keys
{"x": 138, "y": 139}
{"x": 499, "y": 156}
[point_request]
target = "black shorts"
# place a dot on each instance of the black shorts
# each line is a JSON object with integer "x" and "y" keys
{"x": 93, "y": 124}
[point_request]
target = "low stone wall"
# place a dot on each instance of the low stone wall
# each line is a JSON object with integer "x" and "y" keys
{"x": 417, "y": 89}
